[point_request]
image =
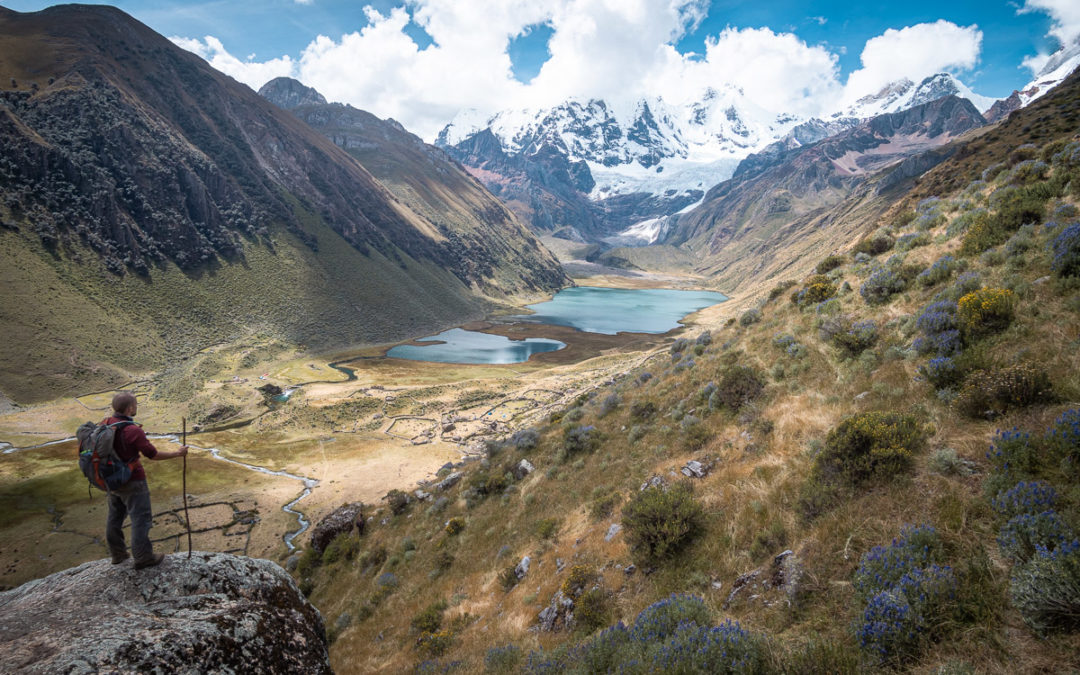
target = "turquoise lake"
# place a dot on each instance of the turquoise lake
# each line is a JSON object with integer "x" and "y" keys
{"x": 465, "y": 346}
{"x": 593, "y": 310}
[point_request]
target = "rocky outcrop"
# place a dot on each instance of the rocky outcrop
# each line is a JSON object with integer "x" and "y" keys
{"x": 341, "y": 520}
{"x": 287, "y": 93}
{"x": 212, "y": 613}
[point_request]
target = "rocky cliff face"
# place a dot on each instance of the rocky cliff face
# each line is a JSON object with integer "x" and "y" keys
{"x": 213, "y": 613}
{"x": 491, "y": 246}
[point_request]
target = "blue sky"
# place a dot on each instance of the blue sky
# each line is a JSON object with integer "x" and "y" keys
{"x": 499, "y": 47}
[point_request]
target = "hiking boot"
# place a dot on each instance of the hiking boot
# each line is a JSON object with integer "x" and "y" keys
{"x": 117, "y": 559}
{"x": 149, "y": 562}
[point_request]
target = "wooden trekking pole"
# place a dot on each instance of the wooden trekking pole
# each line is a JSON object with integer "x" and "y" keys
{"x": 183, "y": 486}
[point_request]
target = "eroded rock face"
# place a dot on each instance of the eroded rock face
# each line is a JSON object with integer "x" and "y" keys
{"x": 212, "y": 613}
{"x": 339, "y": 521}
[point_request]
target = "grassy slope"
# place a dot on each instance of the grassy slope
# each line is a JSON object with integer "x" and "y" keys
{"x": 66, "y": 318}
{"x": 764, "y": 455}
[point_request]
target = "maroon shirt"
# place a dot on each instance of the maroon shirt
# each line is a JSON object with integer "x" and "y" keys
{"x": 130, "y": 441}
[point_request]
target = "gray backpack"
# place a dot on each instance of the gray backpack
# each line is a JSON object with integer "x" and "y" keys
{"x": 97, "y": 456}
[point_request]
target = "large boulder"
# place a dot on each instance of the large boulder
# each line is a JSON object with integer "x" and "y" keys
{"x": 213, "y": 613}
{"x": 339, "y": 521}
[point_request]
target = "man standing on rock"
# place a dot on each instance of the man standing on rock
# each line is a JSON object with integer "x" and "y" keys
{"x": 133, "y": 497}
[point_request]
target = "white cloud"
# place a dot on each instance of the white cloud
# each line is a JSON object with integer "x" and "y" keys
{"x": 250, "y": 72}
{"x": 619, "y": 50}
{"x": 1064, "y": 26}
{"x": 914, "y": 52}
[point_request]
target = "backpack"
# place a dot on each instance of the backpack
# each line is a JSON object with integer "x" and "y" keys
{"x": 97, "y": 456}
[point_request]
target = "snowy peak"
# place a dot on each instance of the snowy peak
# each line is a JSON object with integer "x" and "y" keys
{"x": 1060, "y": 65}
{"x": 904, "y": 94}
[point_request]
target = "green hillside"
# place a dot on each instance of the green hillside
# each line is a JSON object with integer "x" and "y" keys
{"x": 861, "y": 508}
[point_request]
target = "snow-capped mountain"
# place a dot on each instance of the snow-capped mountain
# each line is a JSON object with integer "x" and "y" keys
{"x": 1060, "y": 65}
{"x": 905, "y": 94}
{"x": 649, "y": 145}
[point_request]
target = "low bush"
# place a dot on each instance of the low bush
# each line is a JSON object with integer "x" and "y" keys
{"x": 488, "y": 482}
{"x": 875, "y": 245}
{"x": 674, "y": 635}
{"x": 430, "y": 619}
{"x": 907, "y": 242}
{"x": 398, "y": 501}
{"x": 592, "y": 610}
{"x": 858, "y": 337}
{"x": 818, "y": 288}
{"x": 985, "y": 311}
{"x": 870, "y": 445}
{"x": 1027, "y": 171}
{"x": 1026, "y": 497}
{"x": 829, "y": 264}
{"x": 938, "y": 322}
{"x": 750, "y": 316}
{"x": 525, "y": 440}
{"x": 642, "y": 411}
{"x": 738, "y": 386}
{"x": 547, "y": 528}
{"x": 581, "y": 439}
{"x": 435, "y": 644}
{"x": 1063, "y": 438}
{"x": 1066, "y": 252}
{"x": 940, "y": 271}
{"x": 345, "y": 546}
{"x": 1046, "y": 589}
{"x": 906, "y": 594}
{"x": 503, "y": 660}
{"x": 941, "y": 372}
{"x": 454, "y": 526}
{"x": 1026, "y": 533}
{"x": 660, "y": 522}
{"x": 882, "y": 285}
{"x": 604, "y": 506}
{"x": 987, "y": 394}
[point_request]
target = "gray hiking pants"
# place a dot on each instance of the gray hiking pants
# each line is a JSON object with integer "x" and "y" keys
{"x": 131, "y": 499}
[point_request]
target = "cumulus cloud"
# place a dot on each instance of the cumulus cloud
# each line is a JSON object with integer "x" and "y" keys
{"x": 1064, "y": 26}
{"x": 914, "y": 52}
{"x": 250, "y": 72}
{"x": 619, "y": 50}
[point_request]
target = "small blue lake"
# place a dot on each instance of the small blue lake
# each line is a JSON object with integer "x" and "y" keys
{"x": 617, "y": 310}
{"x": 465, "y": 346}
{"x": 593, "y": 310}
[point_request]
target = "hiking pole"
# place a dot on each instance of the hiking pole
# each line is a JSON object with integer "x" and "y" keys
{"x": 183, "y": 486}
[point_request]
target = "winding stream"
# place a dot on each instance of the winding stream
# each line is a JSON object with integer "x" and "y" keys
{"x": 309, "y": 483}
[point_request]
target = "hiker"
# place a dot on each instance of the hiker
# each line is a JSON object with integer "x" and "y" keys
{"x": 133, "y": 497}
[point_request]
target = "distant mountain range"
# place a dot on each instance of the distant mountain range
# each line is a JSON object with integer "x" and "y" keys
{"x": 589, "y": 169}
{"x": 167, "y": 206}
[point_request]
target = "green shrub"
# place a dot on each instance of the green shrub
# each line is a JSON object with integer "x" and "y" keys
{"x": 817, "y": 288}
{"x": 829, "y": 264}
{"x": 987, "y": 394}
{"x": 547, "y": 528}
{"x": 985, "y": 311}
{"x": 430, "y": 619}
{"x": 875, "y": 245}
{"x": 750, "y": 316}
{"x": 738, "y": 386}
{"x": 309, "y": 560}
{"x": 503, "y": 660}
{"x": 869, "y": 445}
{"x": 642, "y": 411}
{"x": 858, "y": 337}
{"x": 486, "y": 483}
{"x": 398, "y": 501}
{"x": 578, "y": 580}
{"x": 880, "y": 286}
{"x": 344, "y": 546}
{"x": 435, "y": 644}
{"x": 455, "y": 526}
{"x": 508, "y": 577}
{"x": 592, "y": 610}
{"x": 659, "y": 522}
{"x": 581, "y": 439}
{"x": 1046, "y": 590}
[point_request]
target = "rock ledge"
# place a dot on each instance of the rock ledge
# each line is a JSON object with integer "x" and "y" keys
{"x": 213, "y": 613}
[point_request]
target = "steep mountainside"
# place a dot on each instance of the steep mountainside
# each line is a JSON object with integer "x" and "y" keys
{"x": 122, "y": 152}
{"x": 786, "y": 201}
{"x": 870, "y": 466}
{"x": 486, "y": 235}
